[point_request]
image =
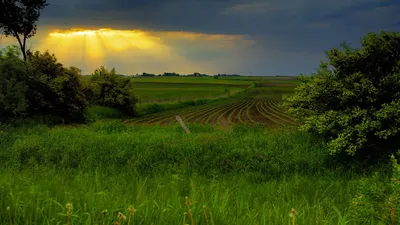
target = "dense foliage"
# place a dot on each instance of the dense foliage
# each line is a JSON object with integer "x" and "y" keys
{"x": 112, "y": 90}
{"x": 53, "y": 89}
{"x": 354, "y": 99}
{"x": 42, "y": 86}
{"x": 13, "y": 85}
{"x": 39, "y": 87}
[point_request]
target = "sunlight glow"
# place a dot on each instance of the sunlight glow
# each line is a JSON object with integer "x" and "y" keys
{"x": 138, "y": 50}
{"x": 91, "y": 47}
{"x": 113, "y": 39}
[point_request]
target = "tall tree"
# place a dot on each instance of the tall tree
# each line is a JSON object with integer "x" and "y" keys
{"x": 18, "y": 19}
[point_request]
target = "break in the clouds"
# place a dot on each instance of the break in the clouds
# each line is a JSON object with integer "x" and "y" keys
{"x": 258, "y": 37}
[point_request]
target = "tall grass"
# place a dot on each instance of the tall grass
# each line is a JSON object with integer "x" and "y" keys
{"x": 102, "y": 112}
{"x": 243, "y": 176}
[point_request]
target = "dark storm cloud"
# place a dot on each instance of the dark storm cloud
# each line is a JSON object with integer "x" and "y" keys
{"x": 268, "y": 17}
{"x": 150, "y": 14}
{"x": 126, "y": 5}
{"x": 308, "y": 27}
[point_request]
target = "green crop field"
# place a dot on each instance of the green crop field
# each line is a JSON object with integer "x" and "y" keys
{"x": 253, "y": 107}
{"x": 197, "y": 80}
{"x": 150, "y": 92}
{"x": 256, "y": 106}
{"x": 174, "y": 89}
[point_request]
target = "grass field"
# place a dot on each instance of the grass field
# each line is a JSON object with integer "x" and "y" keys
{"x": 254, "y": 167}
{"x": 243, "y": 176}
{"x": 245, "y": 80}
{"x": 153, "y": 92}
{"x": 174, "y": 89}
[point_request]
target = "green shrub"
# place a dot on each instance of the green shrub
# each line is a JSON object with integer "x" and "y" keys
{"x": 54, "y": 90}
{"x": 112, "y": 90}
{"x": 12, "y": 84}
{"x": 378, "y": 198}
{"x": 353, "y": 100}
{"x": 40, "y": 88}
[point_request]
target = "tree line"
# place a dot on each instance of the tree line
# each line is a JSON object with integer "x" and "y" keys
{"x": 196, "y": 74}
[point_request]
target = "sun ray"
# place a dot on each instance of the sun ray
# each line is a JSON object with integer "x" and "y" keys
{"x": 130, "y": 48}
{"x": 93, "y": 49}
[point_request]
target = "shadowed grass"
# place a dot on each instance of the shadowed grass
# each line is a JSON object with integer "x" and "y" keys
{"x": 103, "y": 112}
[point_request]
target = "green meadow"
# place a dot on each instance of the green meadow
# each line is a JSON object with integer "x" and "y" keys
{"x": 123, "y": 171}
{"x": 245, "y": 175}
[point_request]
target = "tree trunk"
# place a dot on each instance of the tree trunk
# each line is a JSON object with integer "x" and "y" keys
{"x": 24, "y": 48}
{"x": 22, "y": 45}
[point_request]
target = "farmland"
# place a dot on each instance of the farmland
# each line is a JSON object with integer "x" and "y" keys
{"x": 243, "y": 163}
{"x": 256, "y": 106}
{"x": 235, "y": 163}
{"x": 174, "y": 89}
{"x": 253, "y": 108}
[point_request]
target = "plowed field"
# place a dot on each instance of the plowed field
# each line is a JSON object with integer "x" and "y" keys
{"x": 256, "y": 107}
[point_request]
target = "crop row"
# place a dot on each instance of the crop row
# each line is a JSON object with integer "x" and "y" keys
{"x": 247, "y": 110}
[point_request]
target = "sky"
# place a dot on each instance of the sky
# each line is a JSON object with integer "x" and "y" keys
{"x": 248, "y": 37}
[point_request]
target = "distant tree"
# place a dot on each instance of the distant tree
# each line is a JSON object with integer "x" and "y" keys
{"x": 113, "y": 91}
{"x": 353, "y": 100}
{"x": 18, "y": 19}
{"x": 170, "y": 74}
{"x": 148, "y": 75}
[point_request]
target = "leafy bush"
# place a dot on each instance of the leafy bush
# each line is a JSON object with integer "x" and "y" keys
{"x": 112, "y": 90}
{"x": 12, "y": 83}
{"x": 378, "y": 199}
{"x": 354, "y": 99}
{"x": 40, "y": 87}
{"x": 54, "y": 90}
